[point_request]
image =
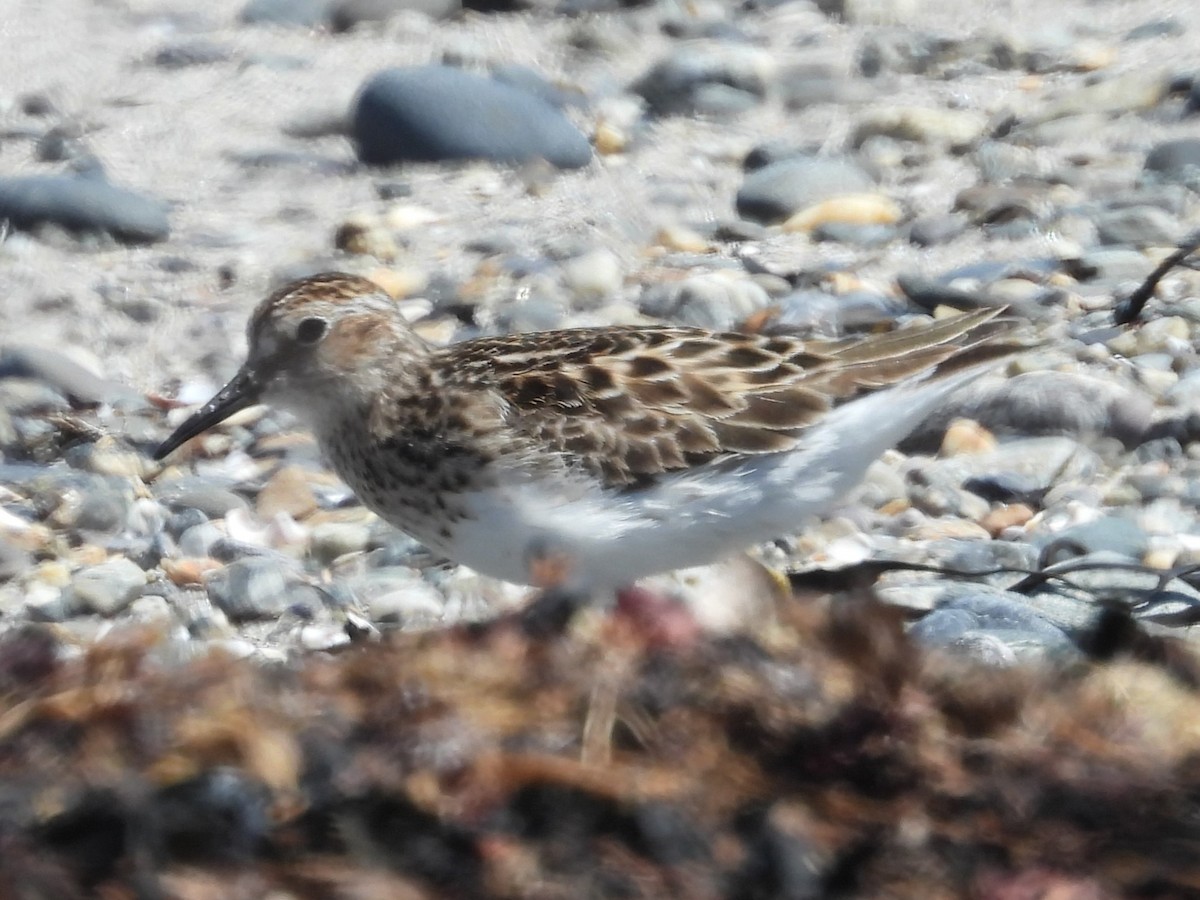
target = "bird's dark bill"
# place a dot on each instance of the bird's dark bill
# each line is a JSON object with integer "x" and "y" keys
{"x": 241, "y": 392}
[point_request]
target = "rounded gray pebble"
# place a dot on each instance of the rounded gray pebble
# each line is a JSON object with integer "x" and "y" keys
{"x": 296, "y": 13}
{"x": 705, "y": 301}
{"x": 333, "y": 539}
{"x": 397, "y": 595}
{"x": 103, "y": 511}
{"x": 254, "y": 588}
{"x": 108, "y": 588}
{"x": 199, "y": 540}
{"x": 707, "y": 82}
{"x": 436, "y": 113}
{"x": 192, "y": 53}
{"x": 1045, "y": 403}
{"x": 1108, "y": 534}
{"x": 13, "y": 560}
{"x": 345, "y": 15}
{"x": 774, "y": 192}
{"x": 936, "y": 229}
{"x": 196, "y": 493}
{"x": 1175, "y": 160}
{"x": 83, "y": 204}
{"x": 180, "y": 521}
{"x": 1137, "y": 226}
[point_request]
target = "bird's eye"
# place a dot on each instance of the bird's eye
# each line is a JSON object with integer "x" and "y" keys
{"x": 311, "y": 330}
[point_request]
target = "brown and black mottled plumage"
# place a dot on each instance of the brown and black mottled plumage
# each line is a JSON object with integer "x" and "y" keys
{"x": 632, "y": 402}
{"x": 636, "y": 449}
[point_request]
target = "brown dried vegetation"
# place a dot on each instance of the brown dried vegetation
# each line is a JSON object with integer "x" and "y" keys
{"x": 823, "y": 757}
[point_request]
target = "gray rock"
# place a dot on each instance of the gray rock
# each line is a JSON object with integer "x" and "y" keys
{"x": 397, "y": 596}
{"x": 593, "y": 276}
{"x": 82, "y": 204}
{"x": 870, "y": 12}
{"x": 1113, "y": 534}
{"x": 1113, "y": 264}
{"x": 1039, "y": 462}
{"x": 13, "y": 560}
{"x": 1126, "y": 92}
{"x": 61, "y": 143}
{"x": 964, "y": 617}
{"x": 192, "y": 53}
{"x": 102, "y": 511}
{"x": 808, "y": 311}
{"x": 738, "y": 230}
{"x": 393, "y": 548}
{"x": 775, "y": 191}
{"x": 107, "y": 588}
{"x": 855, "y": 234}
{"x": 705, "y": 301}
{"x": 152, "y": 609}
{"x": 199, "y": 540}
{"x": 931, "y": 293}
{"x": 198, "y": 493}
{"x": 333, "y": 539}
{"x": 952, "y": 127}
{"x": 989, "y": 204}
{"x": 808, "y": 86}
{"x": 59, "y": 371}
{"x": 348, "y": 14}
{"x": 296, "y": 13}
{"x": 181, "y": 520}
{"x": 1175, "y": 160}
{"x": 1110, "y": 577}
{"x": 255, "y": 588}
{"x": 710, "y": 82}
{"x": 533, "y": 82}
{"x": 933, "y": 230}
{"x": 907, "y": 51}
{"x": 1137, "y": 226}
{"x": 1005, "y": 487}
{"x": 1045, "y": 403}
{"x": 436, "y": 113}
{"x": 37, "y": 104}
{"x": 23, "y": 397}
{"x": 1156, "y": 28}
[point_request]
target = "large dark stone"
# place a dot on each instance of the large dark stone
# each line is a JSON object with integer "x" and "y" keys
{"x": 437, "y": 113}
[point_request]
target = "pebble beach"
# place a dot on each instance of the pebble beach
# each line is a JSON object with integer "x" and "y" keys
{"x": 805, "y": 168}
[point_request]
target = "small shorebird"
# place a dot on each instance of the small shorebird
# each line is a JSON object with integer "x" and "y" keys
{"x": 628, "y": 450}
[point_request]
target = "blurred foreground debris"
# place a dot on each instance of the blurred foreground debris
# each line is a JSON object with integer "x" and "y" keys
{"x": 823, "y": 755}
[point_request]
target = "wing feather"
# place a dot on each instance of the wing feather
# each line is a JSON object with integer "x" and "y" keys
{"x": 626, "y": 404}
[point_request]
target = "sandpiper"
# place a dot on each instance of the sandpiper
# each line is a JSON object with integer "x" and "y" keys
{"x": 631, "y": 450}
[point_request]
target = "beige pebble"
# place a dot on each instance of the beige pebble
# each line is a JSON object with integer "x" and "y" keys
{"x": 966, "y": 437}
{"x": 107, "y": 457}
{"x": 610, "y": 140}
{"x": 1004, "y": 517}
{"x": 399, "y": 283}
{"x": 924, "y": 124}
{"x": 366, "y": 236}
{"x": 407, "y": 216}
{"x": 1088, "y": 56}
{"x": 682, "y": 238}
{"x": 53, "y": 572}
{"x": 288, "y": 492}
{"x": 189, "y": 571}
{"x": 87, "y": 555}
{"x": 942, "y": 529}
{"x": 1169, "y": 334}
{"x": 1161, "y": 557}
{"x": 851, "y": 209}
